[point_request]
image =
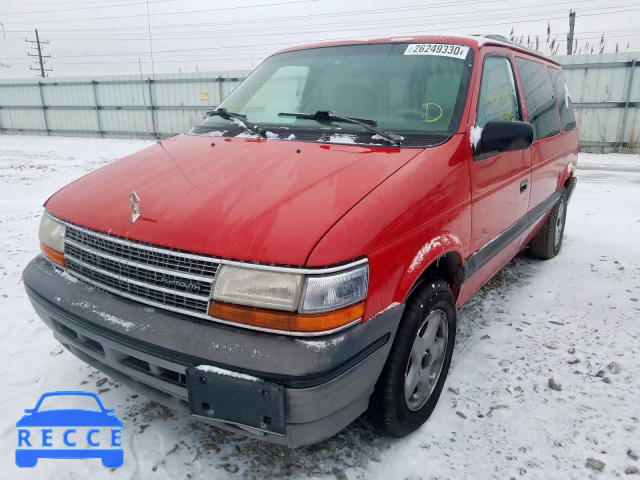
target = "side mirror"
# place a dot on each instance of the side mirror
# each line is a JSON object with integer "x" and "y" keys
{"x": 499, "y": 136}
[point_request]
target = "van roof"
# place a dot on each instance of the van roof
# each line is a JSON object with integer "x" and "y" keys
{"x": 474, "y": 41}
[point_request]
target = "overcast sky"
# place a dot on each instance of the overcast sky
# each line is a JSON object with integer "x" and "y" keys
{"x": 94, "y": 37}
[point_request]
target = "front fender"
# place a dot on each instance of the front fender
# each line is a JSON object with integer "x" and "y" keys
{"x": 424, "y": 257}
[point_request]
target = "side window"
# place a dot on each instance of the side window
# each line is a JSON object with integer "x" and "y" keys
{"x": 539, "y": 98}
{"x": 497, "y": 100}
{"x": 567, "y": 117}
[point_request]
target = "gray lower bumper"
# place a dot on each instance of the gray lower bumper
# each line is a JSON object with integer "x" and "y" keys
{"x": 327, "y": 380}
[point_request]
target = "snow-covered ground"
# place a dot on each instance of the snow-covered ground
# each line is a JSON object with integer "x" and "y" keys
{"x": 566, "y": 319}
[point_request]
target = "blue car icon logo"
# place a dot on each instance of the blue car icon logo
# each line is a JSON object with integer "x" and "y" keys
{"x": 69, "y": 425}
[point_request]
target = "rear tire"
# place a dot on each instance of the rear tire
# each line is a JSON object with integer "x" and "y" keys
{"x": 413, "y": 376}
{"x": 548, "y": 241}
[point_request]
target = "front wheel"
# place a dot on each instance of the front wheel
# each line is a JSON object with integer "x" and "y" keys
{"x": 413, "y": 376}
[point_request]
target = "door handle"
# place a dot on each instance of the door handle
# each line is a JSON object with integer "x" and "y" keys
{"x": 523, "y": 185}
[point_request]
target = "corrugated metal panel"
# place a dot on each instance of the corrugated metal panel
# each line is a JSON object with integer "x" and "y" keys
{"x": 116, "y": 106}
{"x": 598, "y": 84}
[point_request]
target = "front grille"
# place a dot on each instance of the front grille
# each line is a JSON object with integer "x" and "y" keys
{"x": 141, "y": 253}
{"x": 157, "y": 276}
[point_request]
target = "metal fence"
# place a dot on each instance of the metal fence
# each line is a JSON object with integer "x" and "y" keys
{"x": 606, "y": 100}
{"x": 605, "y": 96}
{"x": 119, "y": 106}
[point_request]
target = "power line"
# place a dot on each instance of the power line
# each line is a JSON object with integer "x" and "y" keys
{"x": 186, "y": 59}
{"x": 274, "y": 43}
{"x": 120, "y": 17}
{"x": 240, "y": 34}
{"x": 510, "y": 22}
{"x": 323, "y": 15}
{"x": 359, "y": 21}
{"x": 266, "y": 45}
{"x": 38, "y": 12}
{"x": 82, "y": 2}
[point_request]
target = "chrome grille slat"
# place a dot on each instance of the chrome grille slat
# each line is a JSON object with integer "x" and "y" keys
{"x": 130, "y": 267}
{"x": 160, "y": 277}
{"x": 142, "y": 253}
{"x": 137, "y": 283}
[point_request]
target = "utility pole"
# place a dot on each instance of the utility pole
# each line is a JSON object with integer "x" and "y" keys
{"x": 38, "y": 46}
{"x": 572, "y": 23}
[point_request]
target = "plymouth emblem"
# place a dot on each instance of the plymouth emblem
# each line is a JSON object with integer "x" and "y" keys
{"x": 134, "y": 204}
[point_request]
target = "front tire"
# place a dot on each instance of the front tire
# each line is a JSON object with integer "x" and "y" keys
{"x": 548, "y": 241}
{"x": 413, "y": 376}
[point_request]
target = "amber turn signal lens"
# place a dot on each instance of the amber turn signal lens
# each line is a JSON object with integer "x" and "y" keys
{"x": 287, "y": 322}
{"x": 55, "y": 257}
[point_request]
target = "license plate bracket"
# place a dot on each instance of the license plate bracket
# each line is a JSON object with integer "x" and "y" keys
{"x": 240, "y": 401}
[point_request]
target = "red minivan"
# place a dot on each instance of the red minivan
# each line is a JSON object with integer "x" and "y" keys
{"x": 296, "y": 259}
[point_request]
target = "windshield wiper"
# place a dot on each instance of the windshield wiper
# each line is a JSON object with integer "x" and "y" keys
{"x": 328, "y": 116}
{"x": 237, "y": 118}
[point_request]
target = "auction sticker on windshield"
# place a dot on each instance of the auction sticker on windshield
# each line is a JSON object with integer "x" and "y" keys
{"x": 442, "y": 49}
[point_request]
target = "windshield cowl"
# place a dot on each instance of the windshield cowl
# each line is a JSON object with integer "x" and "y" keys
{"x": 321, "y": 134}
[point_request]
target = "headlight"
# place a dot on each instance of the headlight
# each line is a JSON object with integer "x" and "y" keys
{"x": 323, "y": 303}
{"x": 52, "y": 239}
{"x": 257, "y": 288}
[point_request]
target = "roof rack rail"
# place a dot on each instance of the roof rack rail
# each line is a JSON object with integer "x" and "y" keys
{"x": 503, "y": 39}
{"x": 498, "y": 37}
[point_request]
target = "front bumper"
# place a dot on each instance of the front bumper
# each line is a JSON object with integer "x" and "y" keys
{"x": 327, "y": 380}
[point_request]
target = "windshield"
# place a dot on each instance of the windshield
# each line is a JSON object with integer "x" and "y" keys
{"x": 401, "y": 87}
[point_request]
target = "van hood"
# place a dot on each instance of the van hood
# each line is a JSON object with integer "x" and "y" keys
{"x": 248, "y": 199}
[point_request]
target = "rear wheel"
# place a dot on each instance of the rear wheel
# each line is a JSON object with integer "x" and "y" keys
{"x": 548, "y": 241}
{"x": 413, "y": 377}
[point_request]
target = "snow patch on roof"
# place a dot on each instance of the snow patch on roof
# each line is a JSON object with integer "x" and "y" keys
{"x": 402, "y": 39}
{"x": 228, "y": 373}
{"x": 291, "y": 137}
{"x": 272, "y": 136}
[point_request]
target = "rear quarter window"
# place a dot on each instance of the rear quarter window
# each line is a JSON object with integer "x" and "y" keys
{"x": 567, "y": 115}
{"x": 539, "y": 98}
